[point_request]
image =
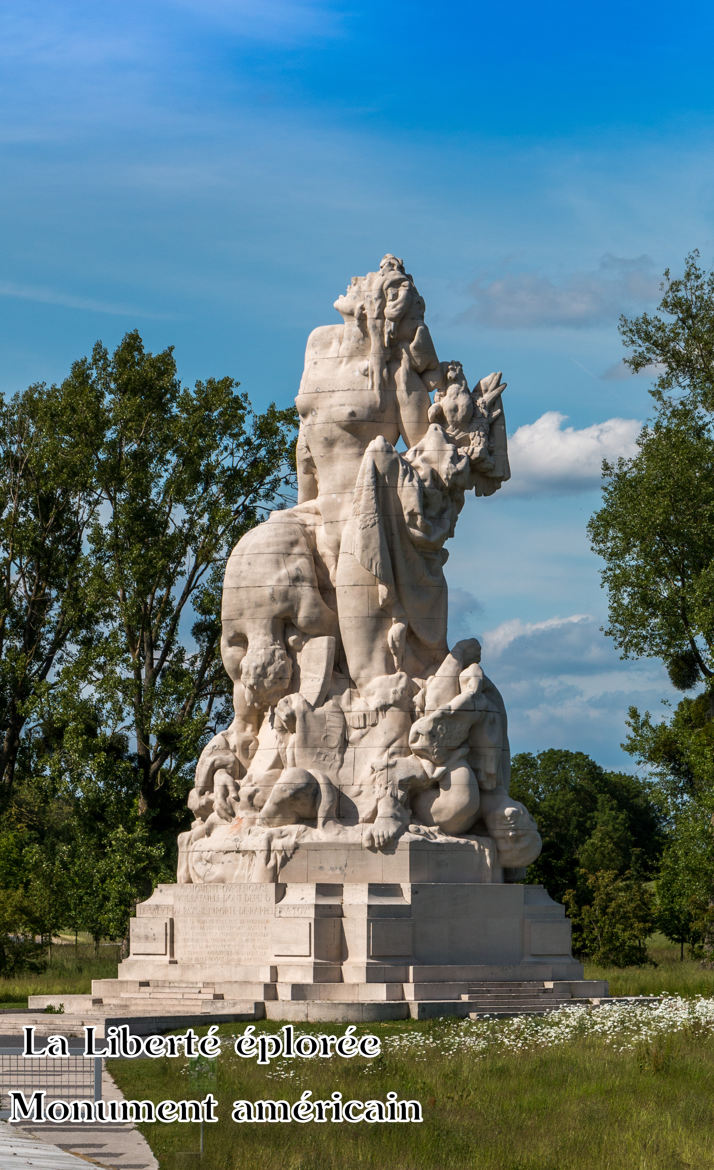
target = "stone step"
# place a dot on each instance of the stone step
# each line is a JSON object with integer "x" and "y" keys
{"x": 192, "y": 974}
{"x": 342, "y": 992}
{"x": 70, "y": 1003}
{"x": 524, "y": 997}
{"x": 546, "y": 996}
{"x": 45, "y": 1024}
{"x": 178, "y": 984}
{"x": 505, "y": 1005}
{"x": 446, "y": 991}
{"x": 433, "y": 1009}
{"x": 166, "y": 997}
{"x": 497, "y": 973}
{"x": 336, "y": 1011}
{"x": 164, "y": 1017}
{"x": 534, "y": 993}
{"x": 519, "y": 985}
{"x": 508, "y": 1014}
{"x": 436, "y": 1009}
{"x": 172, "y": 993}
{"x": 165, "y": 1005}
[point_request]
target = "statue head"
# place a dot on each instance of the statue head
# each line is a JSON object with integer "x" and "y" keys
{"x": 265, "y": 672}
{"x": 429, "y": 737}
{"x": 453, "y": 372}
{"x": 401, "y": 297}
{"x": 390, "y": 263}
{"x": 467, "y": 651}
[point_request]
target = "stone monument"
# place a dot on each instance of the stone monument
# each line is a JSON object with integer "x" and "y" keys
{"x": 354, "y": 846}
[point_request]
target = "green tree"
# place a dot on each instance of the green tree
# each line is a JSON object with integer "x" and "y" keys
{"x": 612, "y": 926}
{"x": 609, "y": 845}
{"x": 48, "y": 499}
{"x": 655, "y": 533}
{"x": 683, "y": 888}
{"x": 123, "y": 494}
{"x": 590, "y": 819}
{"x": 19, "y": 949}
{"x": 124, "y": 876}
{"x": 678, "y": 341}
{"x": 654, "y": 530}
{"x": 182, "y": 474}
{"x": 679, "y": 751}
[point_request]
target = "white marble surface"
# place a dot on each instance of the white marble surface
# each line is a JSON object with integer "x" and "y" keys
{"x": 355, "y": 722}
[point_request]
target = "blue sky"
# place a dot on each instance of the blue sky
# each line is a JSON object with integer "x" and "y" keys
{"x": 214, "y": 172}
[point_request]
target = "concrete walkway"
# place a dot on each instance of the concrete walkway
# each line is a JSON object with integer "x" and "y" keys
{"x": 115, "y": 1147}
{"x": 18, "y": 1151}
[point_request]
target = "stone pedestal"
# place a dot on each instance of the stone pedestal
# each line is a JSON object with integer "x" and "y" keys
{"x": 426, "y": 930}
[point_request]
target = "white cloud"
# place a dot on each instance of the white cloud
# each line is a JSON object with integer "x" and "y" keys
{"x": 565, "y": 686}
{"x": 526, "y": 300}
{"x": 547, "y": 457}
{"x": 559, "y": 646}
{"x": 498, "y": 640}
{"x": 619, "y": 372}
{"x": 48, "y": 296}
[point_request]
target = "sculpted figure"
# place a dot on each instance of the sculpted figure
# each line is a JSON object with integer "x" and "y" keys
{"x": 464, "y": 746}
{"x": 270, "y": 592}
{"x": 310, "y": 744}
{"x": 351, "y": 716}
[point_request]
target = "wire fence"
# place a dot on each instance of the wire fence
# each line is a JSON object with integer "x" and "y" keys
{"x": 63, "y": 1078}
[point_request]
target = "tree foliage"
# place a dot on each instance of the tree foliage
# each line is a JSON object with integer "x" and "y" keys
{"x": 19, "y": 947}
{"x": 122, "y": 493}
{"x": 182, "y": 474}
{"x": 603, "y": 833}
{"x": 654, "y": 530}
{"x": 655, "y": 533}
{"x": 684, "y": 882}
{"x": 589, "y": 819}
{"x": 678, "y": 341}
{"x": 612, "y": 924}
{"x": 48, "y": 499}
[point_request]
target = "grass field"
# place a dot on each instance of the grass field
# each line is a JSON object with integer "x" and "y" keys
{"x": 667, "y": 974}
{"x": 623, "y": 1089}
{"x": 572, "y": 1091}
{"x": 70, "y": 970}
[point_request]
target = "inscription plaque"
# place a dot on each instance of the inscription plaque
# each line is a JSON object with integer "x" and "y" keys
{"x": 228, "y": 923}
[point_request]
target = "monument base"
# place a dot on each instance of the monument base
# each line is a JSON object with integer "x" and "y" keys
{"x": 333, "y": 947}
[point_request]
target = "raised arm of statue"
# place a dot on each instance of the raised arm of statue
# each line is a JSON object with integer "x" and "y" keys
{"x": 419, "y": 373}
{"x": 412, "y": 402}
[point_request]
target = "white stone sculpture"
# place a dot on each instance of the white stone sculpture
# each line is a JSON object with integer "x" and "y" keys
{"x": 355, "y": 854}
{"x": 355, "y": 725}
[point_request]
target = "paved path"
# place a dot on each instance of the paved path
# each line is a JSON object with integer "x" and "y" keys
{"x": 18, "y": 1151}
{"x": 114, "y": 1147}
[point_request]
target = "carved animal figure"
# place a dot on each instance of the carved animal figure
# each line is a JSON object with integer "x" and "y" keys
{"x": 271, "y": 604}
